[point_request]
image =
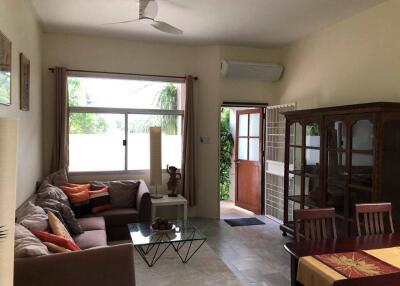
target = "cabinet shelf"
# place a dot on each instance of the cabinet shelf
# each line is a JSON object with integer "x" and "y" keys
{"x": 305, "y": 174}
{"x": 360, "y": 188}
{"x": 307, "y": 201}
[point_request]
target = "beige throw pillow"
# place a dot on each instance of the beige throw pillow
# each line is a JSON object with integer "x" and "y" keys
{"x": 57, "y": 227}
{"x": 26, "y": 244}
{"x": 55, "y": 248}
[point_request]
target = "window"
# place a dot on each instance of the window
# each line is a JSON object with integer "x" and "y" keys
{"x": 110, "y": 117}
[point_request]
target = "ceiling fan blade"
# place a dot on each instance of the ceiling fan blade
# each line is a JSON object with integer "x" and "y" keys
{"x": 148, "y": 8}
{"x": 166, "y": 28}
{"x": 121, "y": 22}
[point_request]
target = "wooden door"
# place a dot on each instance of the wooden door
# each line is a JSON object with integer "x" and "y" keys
{"x": 248, "y": 155}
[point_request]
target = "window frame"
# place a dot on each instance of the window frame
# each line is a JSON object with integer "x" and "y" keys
{"x": 120, "y": 111}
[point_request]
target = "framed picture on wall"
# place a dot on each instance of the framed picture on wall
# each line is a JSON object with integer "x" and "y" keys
{"x": 5, "y": 70}
{"x": 24, "y": 82}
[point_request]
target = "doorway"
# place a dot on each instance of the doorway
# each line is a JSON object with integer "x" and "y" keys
{"x": 242, "y": 161}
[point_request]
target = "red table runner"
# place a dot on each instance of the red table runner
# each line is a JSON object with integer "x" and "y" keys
{"x": 356, "y": 264}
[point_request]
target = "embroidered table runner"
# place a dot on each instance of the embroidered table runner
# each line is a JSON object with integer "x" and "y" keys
{"x": 325, "y": 269}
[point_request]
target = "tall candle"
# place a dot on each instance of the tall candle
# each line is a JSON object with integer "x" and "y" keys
{"x": 155, "y": 156}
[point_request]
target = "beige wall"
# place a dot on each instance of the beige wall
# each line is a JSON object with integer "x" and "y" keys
{"x": 354, "y": 61}
{"x": 94, "y": 53}
{"x": 18, "y": 23}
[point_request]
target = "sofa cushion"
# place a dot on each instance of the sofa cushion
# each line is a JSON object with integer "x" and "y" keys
{"x": 58, "y": 178}
{"x": 47, "y": 191}
{"x": 91, "y": 238}
{"x": 26, "y": 244}
{"x": 92, "y": 223}
{"x": 123, "y": 193}
{"x": 33, "y": 217}
{"x": 120, "y": 217}
{"x": 66, "y": 212}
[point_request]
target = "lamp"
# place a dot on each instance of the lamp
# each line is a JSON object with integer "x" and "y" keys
{"x": 8, "y": 171}
{"x": 155, "y": 160}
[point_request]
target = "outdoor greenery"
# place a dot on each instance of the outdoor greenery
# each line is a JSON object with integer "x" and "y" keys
{"x": 90, "y": 123}
{"x": 83, "y": 123}
{"x": 3, "y": 233}
{"x": 166, "y": 99}
{"x": 312, "y": 129}
{"x": 226, "y": 150}
{"x": 4, "y": 87}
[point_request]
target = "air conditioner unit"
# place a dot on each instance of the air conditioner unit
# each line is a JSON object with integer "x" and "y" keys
{"x": 247, "y": 70}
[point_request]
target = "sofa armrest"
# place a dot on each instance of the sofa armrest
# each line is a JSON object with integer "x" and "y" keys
{"x": 143, "y": 202}
{"x": 113, "y": 265}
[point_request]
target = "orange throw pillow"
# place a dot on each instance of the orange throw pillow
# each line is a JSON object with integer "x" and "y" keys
{"x": 75, "y": 188}
{"x": 78, "y": 195}
{"x": 56, "y": 239}
{"x": 100, "y": 200}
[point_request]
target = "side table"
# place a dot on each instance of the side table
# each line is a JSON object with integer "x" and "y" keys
{"x": 178, "y": 201}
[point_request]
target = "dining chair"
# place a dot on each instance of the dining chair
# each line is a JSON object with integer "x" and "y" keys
{"x": 373, "y": 218}
{"x": 318, "y": 224}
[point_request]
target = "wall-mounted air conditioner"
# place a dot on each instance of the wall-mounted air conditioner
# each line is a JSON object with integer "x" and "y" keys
{"x": 247, "y": 70}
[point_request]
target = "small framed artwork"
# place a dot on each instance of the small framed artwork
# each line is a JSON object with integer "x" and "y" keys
{"x": 24, "y": 82}
{"x": 5, "y": 70}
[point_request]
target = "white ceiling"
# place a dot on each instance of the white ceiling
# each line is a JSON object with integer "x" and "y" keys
{"x": 261, "y": 23}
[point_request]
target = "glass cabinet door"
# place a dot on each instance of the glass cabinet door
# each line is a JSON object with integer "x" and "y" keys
{"x": 296, "y": 148}
{"x": 313, "y": 195}
{"x": 295, "y": 176}
{"x": 337, "y": 165}
{"x": 390, "y": 171}
{"x": 362, "y": 157}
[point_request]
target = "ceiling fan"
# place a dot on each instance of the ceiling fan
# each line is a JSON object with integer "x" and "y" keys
{"x": 148, "y": 10}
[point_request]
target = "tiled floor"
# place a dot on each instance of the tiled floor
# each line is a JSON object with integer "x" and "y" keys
{"x": 254, "y": 253}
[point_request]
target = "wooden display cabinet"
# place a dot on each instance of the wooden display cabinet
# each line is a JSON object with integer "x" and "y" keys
{"x": 339, "y": 156}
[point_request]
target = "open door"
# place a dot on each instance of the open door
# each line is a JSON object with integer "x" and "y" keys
{"x": 248, "y": 159}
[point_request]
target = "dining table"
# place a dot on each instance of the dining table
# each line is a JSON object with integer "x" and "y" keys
{"x": 315, "y": 248}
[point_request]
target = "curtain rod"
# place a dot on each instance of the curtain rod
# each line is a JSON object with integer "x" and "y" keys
{"x": 129, "y": 74}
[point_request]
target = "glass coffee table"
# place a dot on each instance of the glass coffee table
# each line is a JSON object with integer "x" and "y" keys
{"x": 151, "y": 244}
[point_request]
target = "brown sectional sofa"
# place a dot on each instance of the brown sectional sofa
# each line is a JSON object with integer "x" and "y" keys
{"x": 97, "y": 264}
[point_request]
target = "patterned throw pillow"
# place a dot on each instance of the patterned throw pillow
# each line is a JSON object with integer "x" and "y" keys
{"x": 66, "y": 212}
{"x": 58, "y": 178}
{"x": 79, "y": 198}
{"x": 100, "y": 200}
{"x": 57, "y": 240}
{"x": 57, "y": 227}
{"x": 48, "y": 191}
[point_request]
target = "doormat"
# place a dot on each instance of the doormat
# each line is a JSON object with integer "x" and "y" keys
{"x": 244, "y": 221}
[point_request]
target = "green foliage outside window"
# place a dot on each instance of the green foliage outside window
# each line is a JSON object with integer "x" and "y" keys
{"x": 83, "y": 123}
{"x": 4, "y": 87}
{"x": 167, "y": 99}
{"x": 226, "y": 151}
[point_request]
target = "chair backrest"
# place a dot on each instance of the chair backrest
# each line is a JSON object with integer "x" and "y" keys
{"x": 316, "y": 223}
{"x": 373, "y": 217}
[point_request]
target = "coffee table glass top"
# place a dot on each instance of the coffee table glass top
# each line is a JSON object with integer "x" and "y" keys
{"x": 142, "y": 234}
